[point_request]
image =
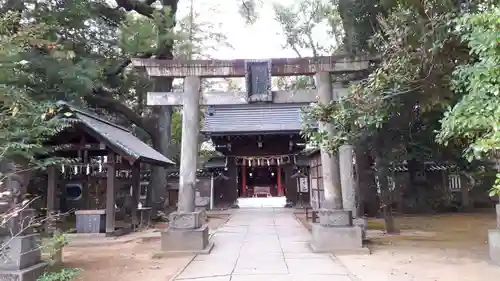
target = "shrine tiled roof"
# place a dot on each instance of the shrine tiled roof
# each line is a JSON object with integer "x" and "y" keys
{"x": 253, "y": 118}
{"x": 430, "y": 166}
{"x": 118, "y": 138}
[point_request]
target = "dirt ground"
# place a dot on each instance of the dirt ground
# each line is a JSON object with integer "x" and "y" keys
{"x": 449, "y": 247}
{"x": 130, "y": 261}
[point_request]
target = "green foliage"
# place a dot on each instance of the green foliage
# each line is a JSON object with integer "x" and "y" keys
{"x": 396, "y": 107}
{"x": 23, "y": 128}
{"x": 303, "y": 20}
{"x": 475, "y": 119}
{"x": 495, "y": 190}
{"x": 249, "y": 10}
{"x": 65, "y": 274}
{"x": 53, "y": 246}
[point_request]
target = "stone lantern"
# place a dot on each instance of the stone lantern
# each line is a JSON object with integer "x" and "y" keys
{"x": 20, "y": 256}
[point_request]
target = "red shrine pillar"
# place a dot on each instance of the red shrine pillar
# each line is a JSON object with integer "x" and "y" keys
{"x": 244, "y": 181}
{"x": 280, "y": 186}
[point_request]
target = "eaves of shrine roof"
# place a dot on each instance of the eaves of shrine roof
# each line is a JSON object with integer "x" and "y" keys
{"x": 119, "y": 139}
{"x": 253, "y": 118}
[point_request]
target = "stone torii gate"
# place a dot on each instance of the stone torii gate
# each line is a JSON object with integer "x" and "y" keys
{"x": 187, "y": 232}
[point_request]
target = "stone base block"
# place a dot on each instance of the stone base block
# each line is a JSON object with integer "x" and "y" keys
{"x": 191, "y": 220}
{"x": 185, "y": 241}
{"x": 21, "y": 252}
{"x": 337, "y": 240}
{"x": 28, "y": 274}
{"x": 328, "y": 217}
{"x": 494, "y": 245}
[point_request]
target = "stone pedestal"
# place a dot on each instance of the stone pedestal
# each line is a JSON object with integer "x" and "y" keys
{"x": 187, "y": 233}
{"x": 20, "y": 259}
{"x": 333, "y": 218}
{"x": 494, "y": 239}
{"x": 335, "y": 233}
{"x": 494, "y": 245}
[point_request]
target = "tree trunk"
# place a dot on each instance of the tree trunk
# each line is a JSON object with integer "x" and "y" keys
{"x": 157, "y": 196}
{"x": 385, "y": 195}
{"x": 368, "y": 202}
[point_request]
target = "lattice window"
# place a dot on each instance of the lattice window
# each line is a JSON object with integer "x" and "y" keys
{"x": 391, "y": 183}
{"x": 454, "y": 182}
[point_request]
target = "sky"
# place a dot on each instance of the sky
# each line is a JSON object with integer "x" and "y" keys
{"x": 261, "y": 40}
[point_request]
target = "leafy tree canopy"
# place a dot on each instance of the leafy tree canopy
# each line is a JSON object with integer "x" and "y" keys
{"x": 23, "y": 127}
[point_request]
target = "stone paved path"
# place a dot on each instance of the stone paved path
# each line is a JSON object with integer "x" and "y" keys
{"x": 263, "y": 244}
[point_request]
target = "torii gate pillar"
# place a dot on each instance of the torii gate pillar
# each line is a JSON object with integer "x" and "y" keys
{"x": 187, "y": 231}
{"x": 335, "y": 231}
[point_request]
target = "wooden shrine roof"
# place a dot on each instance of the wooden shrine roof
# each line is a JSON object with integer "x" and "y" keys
{"x": 429, "y": 166}
{"x": 119, "y": 139}
{"x": 253, "y": 118}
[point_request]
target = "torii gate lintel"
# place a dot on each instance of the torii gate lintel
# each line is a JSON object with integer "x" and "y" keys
{"x": 258, "y": 75}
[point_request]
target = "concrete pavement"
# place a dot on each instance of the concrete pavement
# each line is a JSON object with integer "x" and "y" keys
{"x": 264, "y": 244}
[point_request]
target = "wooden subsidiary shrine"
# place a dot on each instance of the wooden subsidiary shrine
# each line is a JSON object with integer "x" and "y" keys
{"x": 106, "y": 160}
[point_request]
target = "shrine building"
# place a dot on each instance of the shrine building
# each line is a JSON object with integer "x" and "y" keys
{"x": 261, "y": 143}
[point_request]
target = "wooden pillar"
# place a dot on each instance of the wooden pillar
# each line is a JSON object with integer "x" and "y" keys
{"x": 51, "y": 196}
{"x": 211, "y": 190}
{"x": 136, "y": 189}
{"x": 110, "y": 194}
{"x": 280, "y": 185}
{"x": 244, "y": 181}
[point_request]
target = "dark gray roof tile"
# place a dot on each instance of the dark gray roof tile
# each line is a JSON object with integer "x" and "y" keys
{"x": 253, "y": 118}
{"x": 120, "y": 139}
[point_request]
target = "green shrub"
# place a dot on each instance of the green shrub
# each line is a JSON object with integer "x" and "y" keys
{"x": 65, "y": 274}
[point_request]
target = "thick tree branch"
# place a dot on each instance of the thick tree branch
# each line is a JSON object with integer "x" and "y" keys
{"x": 126, "y": 62}
{"x": 142, "y": 8}
{"x": 103, "y": 98}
